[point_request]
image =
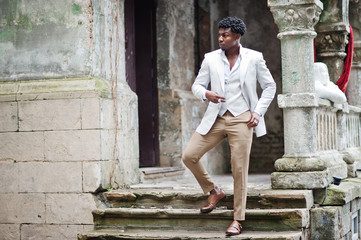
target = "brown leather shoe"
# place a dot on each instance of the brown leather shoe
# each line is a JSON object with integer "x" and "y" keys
{"x": 216, "y": 195}
{"x": 234, "y": 229}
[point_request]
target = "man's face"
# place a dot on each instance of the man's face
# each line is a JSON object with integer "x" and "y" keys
{"x": 227, "y": 39}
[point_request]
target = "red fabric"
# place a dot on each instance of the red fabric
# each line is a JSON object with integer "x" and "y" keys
{"x": 343, "y": 80}
{"x": 314, "y": 50}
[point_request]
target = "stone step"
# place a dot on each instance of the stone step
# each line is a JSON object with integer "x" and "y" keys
{"x": 164, "y": 198}
{"x": 186, "y": 235}
{"x": 153, "y": 175}
{"x": 193, "y": 220}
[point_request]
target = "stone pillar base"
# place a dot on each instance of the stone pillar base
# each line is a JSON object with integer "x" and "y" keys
{"x": 308, "y": 172}
{"x": 299, "y": 180}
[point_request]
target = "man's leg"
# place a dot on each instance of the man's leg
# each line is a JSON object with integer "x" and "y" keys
{"x": 197, "y": 147}
{"x": 240, "y": 141}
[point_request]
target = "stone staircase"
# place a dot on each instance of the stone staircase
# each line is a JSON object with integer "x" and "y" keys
{"x": 168, "y": 213}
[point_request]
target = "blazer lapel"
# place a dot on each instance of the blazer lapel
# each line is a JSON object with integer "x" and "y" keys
{"x": 220, "y": 70}
{"x": 244, "y": 65}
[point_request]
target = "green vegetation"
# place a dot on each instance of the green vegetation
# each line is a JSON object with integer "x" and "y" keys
{"x": 76, "y": 9}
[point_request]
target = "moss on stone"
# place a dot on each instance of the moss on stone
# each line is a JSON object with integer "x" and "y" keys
{"x": 25, "y": 21}
{"x": 101, "y": 85}
{"x": 76, "y": 9}
{"x": 7, "y": 35}
{"x": 10, "y": 19}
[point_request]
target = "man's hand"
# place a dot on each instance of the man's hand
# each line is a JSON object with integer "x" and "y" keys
{"x": 254, "y": 120}
{"x": 214, "y": 97}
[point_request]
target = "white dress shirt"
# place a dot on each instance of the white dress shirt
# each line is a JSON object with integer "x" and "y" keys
{"x": 235, "y": 102}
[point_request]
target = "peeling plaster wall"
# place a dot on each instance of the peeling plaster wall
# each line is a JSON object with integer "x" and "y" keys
{"x": 45, "y": 39}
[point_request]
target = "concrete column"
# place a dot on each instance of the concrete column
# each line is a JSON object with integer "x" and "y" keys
{"x": 332, "y": 36}
{"x": 300, "y": 167}
{"x": 353, "y": 91}
{"x": 298, "y": 100}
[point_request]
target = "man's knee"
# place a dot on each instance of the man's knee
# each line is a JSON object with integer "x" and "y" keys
{"x": 188, "y": 158}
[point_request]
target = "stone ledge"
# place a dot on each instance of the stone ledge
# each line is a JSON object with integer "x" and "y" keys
{"x": 348, "y": 190}
{"x": 54, "y": 89}
{"x": 335, "y": 166}
{"x": 287, "y": 3}
{"x": 192, "y": 219}
{"x": 297, "y": 100}
{"x": 187, "y": 235}
{"x": 297, "y": 33}
{"x": 158, "y": 174}
{"x": 333, "y": 107}
{"x": 299, "y": 180}
{"x": 311, "y": 100}
{"x": 300, "y": 164}
{"x": 190, "y": 199}
{"x": 354, "y": 109}
{"x": 332, "y": 27}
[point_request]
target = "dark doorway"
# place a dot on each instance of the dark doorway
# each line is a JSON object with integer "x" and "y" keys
{"x": 140, "y": 44}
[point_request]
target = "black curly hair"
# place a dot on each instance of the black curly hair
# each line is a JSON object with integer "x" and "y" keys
{"x": 234, "y": 23}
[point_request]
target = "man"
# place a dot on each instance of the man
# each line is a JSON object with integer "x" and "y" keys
{"x": 234, "y": 111}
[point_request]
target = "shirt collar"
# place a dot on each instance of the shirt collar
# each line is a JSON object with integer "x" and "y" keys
{"x": 223, "y": 54}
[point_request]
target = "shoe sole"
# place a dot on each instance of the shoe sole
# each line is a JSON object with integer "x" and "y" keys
{"x": 208, "y": 211}
{"x": 232, "y": 234}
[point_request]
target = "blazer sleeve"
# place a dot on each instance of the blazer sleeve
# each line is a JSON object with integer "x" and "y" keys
{"x": 202, "y": 80}
{"x": 268, "y": 86}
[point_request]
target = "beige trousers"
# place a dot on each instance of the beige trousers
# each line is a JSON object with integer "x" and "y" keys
{"x": 240, "y": 141}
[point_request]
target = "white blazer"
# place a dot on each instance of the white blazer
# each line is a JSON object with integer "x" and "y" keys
{"x": 252, "y": 69}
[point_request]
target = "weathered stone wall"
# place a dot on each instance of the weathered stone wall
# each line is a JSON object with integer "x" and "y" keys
{"x": 108, "y": 62}
{"x": 338, "y": 213}
{"x": 175, "y": 67}
{"x": 50, "y": 158}
{"x": 261, "y": 35}
{"x": 42, "y": 39}
{"x": 62, "y": 138}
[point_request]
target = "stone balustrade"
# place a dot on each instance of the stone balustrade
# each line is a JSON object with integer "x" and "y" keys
{"x": 353, "y": 127}
{"x": 326, "y": 129}
{"x": 339, "y": 130}
{"x": 320, "y": 137}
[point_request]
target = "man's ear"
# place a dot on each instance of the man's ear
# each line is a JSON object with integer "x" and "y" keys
{"x": 238, "y": 36}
